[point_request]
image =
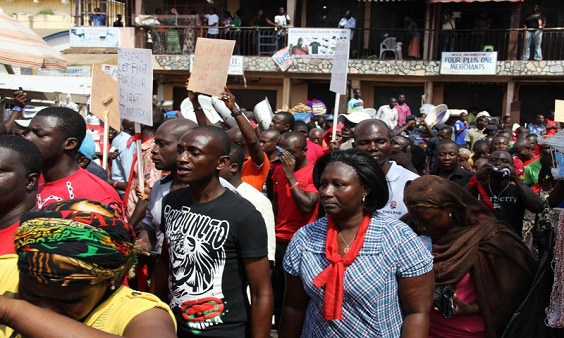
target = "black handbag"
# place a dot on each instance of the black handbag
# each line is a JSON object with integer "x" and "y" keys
{"x": 444, "y": 299}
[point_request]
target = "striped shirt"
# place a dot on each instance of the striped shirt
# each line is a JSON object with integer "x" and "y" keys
{"x": 371, "y": 303}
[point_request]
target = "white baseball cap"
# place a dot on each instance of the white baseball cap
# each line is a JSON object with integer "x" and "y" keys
{"x": 354, "y": 117}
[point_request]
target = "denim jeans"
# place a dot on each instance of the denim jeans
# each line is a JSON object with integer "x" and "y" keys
{"x": 536, "y": 38}
{"x": 447, "y": 41}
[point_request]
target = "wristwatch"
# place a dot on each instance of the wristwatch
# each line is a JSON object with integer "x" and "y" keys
{"x": 237, "y": 113}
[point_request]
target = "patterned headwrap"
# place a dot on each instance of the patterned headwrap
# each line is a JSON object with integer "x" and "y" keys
{"x": 80, "y": 242}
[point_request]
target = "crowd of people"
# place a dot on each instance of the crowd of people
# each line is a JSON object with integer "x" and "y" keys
{"x": 395, "y": 227}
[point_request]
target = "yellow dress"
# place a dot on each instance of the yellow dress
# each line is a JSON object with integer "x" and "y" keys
{"x": 112, "y": 316}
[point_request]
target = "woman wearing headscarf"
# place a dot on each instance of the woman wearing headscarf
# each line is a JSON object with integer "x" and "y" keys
{"x": 479, "y": 256}
{"x": 348, "y": 272}
{"x": 71, "y": 258}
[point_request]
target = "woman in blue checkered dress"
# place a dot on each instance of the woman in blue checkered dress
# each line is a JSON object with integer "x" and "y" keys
{"x": 356, "y": 271}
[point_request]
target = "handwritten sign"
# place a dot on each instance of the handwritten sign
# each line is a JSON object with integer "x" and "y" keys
{"x": 235, "y": 67}
{"x": 340, "y": 68}
{"x": 468, "y": 63}
{"x": 105, "y": 98}
{"x": 211, "y": 66}
{"x": 135, "y": 80}
{"x": 559, "y": 110}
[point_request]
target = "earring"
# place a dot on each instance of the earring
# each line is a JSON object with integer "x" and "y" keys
{"x": 113, "y": 287}
{"x": 363, "y": 198}
{"x": 449, "y": 214}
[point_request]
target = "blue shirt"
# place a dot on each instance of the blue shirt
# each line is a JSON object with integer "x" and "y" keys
{"x": 98, "y": 20}
{"x": 461, "y": 138}
{"x": 371, "y": 305}
{"x": 121, "y": 166}
{"x": 538, "y": 130}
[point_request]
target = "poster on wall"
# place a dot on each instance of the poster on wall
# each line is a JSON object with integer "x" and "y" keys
{"x": 315, "y": 42}
{"x": 468, "y": 63}
{"x": 94, "y": 37}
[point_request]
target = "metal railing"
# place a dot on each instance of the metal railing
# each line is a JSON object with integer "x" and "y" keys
{"x": 365, "y": 44}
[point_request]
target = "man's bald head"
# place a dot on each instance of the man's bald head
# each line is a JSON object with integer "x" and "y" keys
{"x": 365, "y": 125}
{"x": 271, "y": 134}
{"x": 164, "y": 152}
{"x": 177, "y": 127}
{"x": 316, "y": 136}
{"x": 522, "y": 148}
{"x": 295, "y": 137}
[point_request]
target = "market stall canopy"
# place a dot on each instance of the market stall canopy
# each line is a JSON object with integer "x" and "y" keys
{"x": 449, "y": 1}
{"x": 21, "y": 47}
{"x": 47, "y": 88}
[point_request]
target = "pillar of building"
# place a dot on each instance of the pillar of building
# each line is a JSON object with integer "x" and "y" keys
{"x": 428, "y": 92}
{"x": 291, "y": 11}
{"x": 427, "y": 33}
{"x": 304, "y": 14}
{"x": 367, "y": 16}
{"x": 286, "y": 93}
{"x": 515, "y": 33}
{"x": 509, "y": 96}
{"x": 233, "y": 6}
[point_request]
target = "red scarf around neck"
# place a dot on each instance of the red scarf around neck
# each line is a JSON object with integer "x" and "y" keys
{"x": 333, "y": 276}
{"x": 482, "y": 191}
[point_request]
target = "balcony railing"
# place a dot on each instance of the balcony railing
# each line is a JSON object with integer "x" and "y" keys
{"x": 366, "y": 43}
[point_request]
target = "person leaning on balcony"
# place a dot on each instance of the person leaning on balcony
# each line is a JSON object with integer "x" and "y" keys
{"x": 448, "y": 35}
{"x": 212, "y": 20}
{"x": 348, "y": 22}
{"x": 98, "y": 19}
{"x": 534, "y": 24}
{"x": 118, "y": 22}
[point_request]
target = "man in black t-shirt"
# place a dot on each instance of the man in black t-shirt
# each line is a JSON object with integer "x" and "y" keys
{"x": 215, "y": 245}
{"x": 534, "y": 24}
{"x": 448, "y": 166}
{"x": 507, "y": 194}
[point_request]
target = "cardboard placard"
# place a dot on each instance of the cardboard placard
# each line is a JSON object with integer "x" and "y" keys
{"x": 211, "y": 66}
{"x": 105, "y": 98}
{"x": 340, "y": 68}
{"x": 559, "y": 110}
{"x": 135, "y": 82}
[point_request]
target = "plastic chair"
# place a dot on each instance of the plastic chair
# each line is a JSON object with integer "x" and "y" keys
{"x": 388, "y": 45}
{"x": 488, "y": 48}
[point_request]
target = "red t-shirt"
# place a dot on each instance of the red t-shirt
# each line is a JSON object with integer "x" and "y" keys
{"x": 314, "y": 152}
{"x": 289, "y": 218}
{"x": 7, "y": 239}
{"x": 80, "y": 184}
{"x": 253, "y": 175}
{"x": 518, "y": 165}
{"x": 550, "y": 132}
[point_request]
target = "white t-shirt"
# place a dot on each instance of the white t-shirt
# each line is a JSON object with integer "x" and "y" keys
{"x": 397, "y": 177}
{"x": 213, "y": 20}
{"x": 282, "y": 20}
{"x": 449, "y": 22}
{"x": 264, "y": 206}
{"x": 388, "y": 115}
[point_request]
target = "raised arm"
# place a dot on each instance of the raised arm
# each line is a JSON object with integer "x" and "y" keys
{"x": 251, "y": 139}
{"x": 305, "y": 201}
